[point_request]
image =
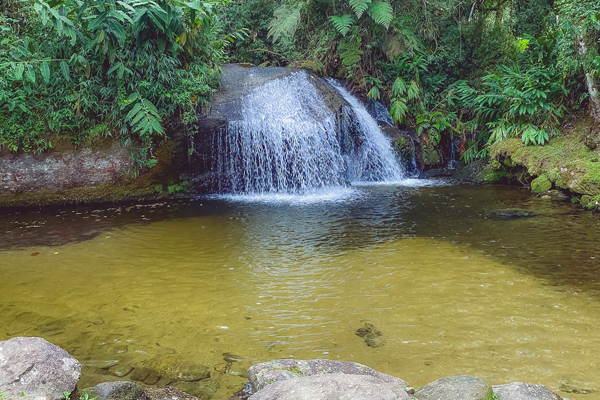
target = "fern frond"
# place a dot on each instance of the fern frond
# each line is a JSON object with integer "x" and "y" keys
{"x": 342, "y": 24}
{"x": 359, "y": 6}
{"x": 144, "y": 118}
{"x": 374, "y": 94}
{"x": 350, "y": 53}
{"x": 399, "y": 87}
{"x": 285, "y": 21}
{"x": 381, "y": 12}
{"x": 398, "y": 109}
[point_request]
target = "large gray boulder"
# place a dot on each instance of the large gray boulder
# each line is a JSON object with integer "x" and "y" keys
{"x": 263, "y": 374}
{"x": 34, "y": 369}
{"x": 461, "y": 387}
{"x": 524, "y": 391}
{"x": 332, "y": 387}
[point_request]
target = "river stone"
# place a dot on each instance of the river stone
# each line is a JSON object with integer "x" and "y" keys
{"x": 461, "y": 387}
{"x": 332, "y": 387}
{"x": 167, "y": 393}
{"x": 260, "y": 375}
{"x": 172, "y": 368}
{"x": 524, "y": 391}
{"x": 33, "y": 369}
{"x": 120, "y": 390}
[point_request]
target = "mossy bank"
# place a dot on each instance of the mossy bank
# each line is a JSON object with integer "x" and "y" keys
{"x": 569, "y": 163}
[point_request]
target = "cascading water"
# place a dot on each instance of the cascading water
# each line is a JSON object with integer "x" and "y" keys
{"x": 287, "y": 141}
{"x": 373, "y": 159}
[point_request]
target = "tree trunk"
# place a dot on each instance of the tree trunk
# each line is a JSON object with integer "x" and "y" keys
{"x": 590, "y": 82}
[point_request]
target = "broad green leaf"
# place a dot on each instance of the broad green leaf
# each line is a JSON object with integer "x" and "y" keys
{"x": 19, "y": 71}
{"x": 64, "y": 67}
{"x": 45, "y": 70}
{"x": 118, "y": 30}
{"x": 29, "y": 74}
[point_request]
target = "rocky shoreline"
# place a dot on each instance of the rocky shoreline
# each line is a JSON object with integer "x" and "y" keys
{"x": 34, "y": 369}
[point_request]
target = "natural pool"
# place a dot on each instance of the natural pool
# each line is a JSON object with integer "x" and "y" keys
{"x": 453, "y": 289}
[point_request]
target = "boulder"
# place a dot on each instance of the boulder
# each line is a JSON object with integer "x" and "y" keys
{"x": 32, "y": 368}
{"x": 461, "y": 387}
{"x": 524, "y": 391}
{"x": 260, "y": 375}
{"x": 332, "y": 386}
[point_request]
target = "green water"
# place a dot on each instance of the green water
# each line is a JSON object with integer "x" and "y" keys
{"x": 453, "y": 290}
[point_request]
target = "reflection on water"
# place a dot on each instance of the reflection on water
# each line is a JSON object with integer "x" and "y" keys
{"x": 452, "y": 290}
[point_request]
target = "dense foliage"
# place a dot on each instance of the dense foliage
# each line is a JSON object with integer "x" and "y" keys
{"x": 476, "y": 70}
{"x": 78, "y": 69}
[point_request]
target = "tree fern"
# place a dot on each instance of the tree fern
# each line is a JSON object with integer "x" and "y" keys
{"x": 359, "y": 6}
{"x": 342, "y": 24}
{"x": 381, "y": 12}
{"x": 285, "y": 21}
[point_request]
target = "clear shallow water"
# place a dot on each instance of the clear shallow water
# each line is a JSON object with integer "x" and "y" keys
{"x": 452, "y": 290}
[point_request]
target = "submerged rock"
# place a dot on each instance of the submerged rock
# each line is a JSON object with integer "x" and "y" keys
{"x": 33, "y": 368}
{"x": 332, "y": 386}
{"x": 124, "y": 390}
{"x": 461, "y": 387}
{"x": 509, "y": 214}
{"x": 524, "y": 391}
{"x": 263, "y": 374}
{"x": 373, "y": 336}
{"x": 120, "y": 390}
{"x": 173, "y": 368}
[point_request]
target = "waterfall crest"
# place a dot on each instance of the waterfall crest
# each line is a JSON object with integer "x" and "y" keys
{"x": 286, "y": 140}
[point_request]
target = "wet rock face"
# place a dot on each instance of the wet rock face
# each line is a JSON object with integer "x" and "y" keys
{"x": 34, "y": 369}
{"x": 263, "y": 374}
{"x": 462, "y": 387}
{"x": 524, "y": 391}
{"x": 332, "y": 386}
{"x": 60, "y": 170}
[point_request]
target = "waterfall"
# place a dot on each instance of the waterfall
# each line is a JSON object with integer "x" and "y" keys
{"x": 286, "y": 140}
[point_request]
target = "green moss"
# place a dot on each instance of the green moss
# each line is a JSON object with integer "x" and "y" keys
{"x": 541, "y": 184}
{"x": 590, "y": 202}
